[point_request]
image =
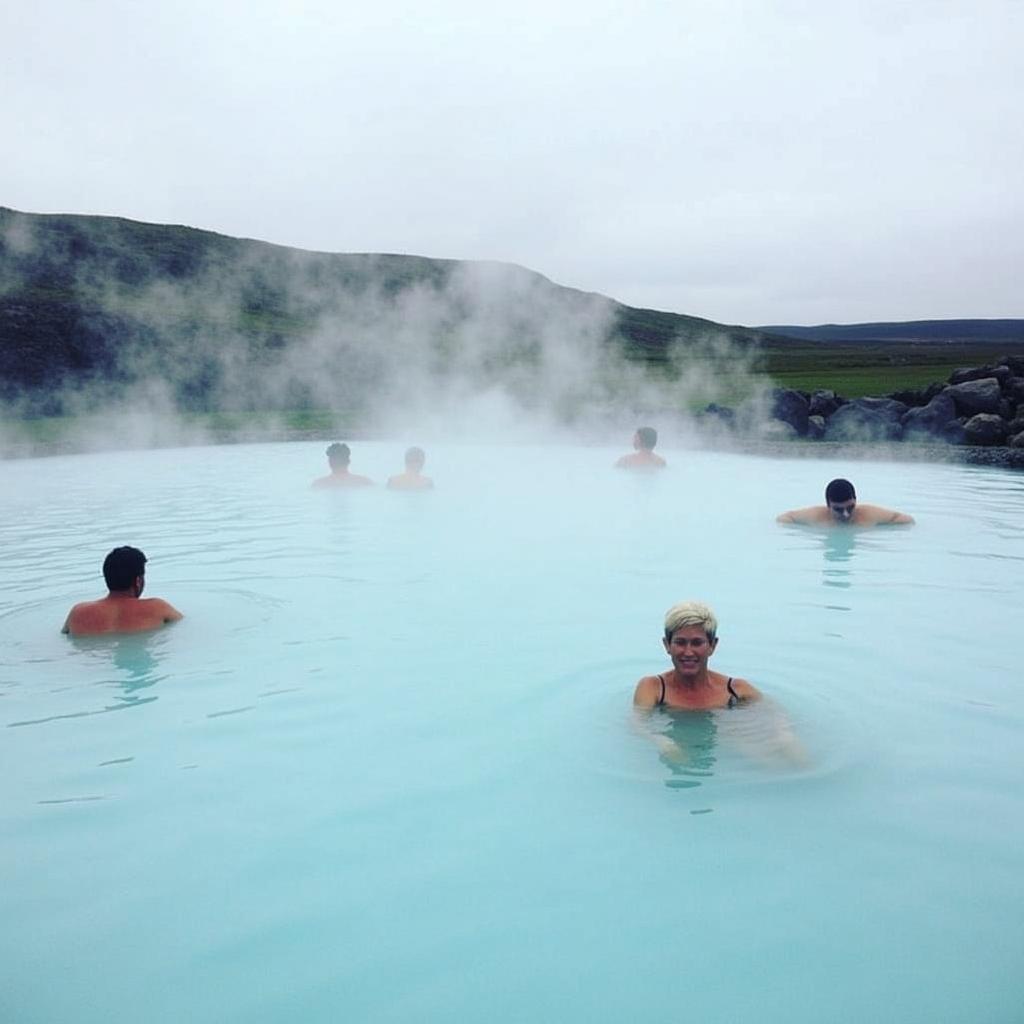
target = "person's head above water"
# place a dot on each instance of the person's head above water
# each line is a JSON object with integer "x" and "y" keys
{"x": 414, "y": 459}
{"x": 123, "y": 568}
{"x": 645, "y": 438}
{"x": 691, "y": 613}
{"x": 642, "y": 456}
{"x": 841, "y": 499}
{"x": 839, "y": 490}
{"x": 338, "y": 455}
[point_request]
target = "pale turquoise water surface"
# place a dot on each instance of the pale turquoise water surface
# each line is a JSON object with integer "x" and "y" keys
{"x": 386, "y": 770}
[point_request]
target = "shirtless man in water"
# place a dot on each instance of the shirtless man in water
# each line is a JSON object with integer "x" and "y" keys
{"x": 123, "y": 610}
{"x": 643, "y": 456}
{"x": 338, "y": 458}
{"x": 841, "y": 509}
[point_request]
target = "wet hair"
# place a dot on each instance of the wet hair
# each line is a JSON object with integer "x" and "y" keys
{"x": 415, "y": 455}
{"x": 839, "y": 490}
{"x": 647, "y": 437}
{"x": 690, "y": 613}
{"x": 122, "y": 567}
{"x": 338, "y": 454}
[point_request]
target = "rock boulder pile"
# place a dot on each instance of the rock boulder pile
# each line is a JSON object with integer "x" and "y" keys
{"x": 979, "y": 406}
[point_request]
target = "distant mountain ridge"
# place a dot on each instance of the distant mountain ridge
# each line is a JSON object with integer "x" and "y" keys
{"x": 997, "y": 330}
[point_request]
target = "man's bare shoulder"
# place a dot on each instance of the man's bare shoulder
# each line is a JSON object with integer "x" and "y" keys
{"x": 876, "y": 515}
{"x": 637, "y": 460}
{"x": 81, "y": 617}
{"x": 157, "y": 607}
{"x": 812, "y": 514}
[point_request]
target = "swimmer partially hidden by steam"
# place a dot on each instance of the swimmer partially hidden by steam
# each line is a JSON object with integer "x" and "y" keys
{"x": 841, "y": 509}
{"x": 338, "y": 457}
{"x": 643, "y": 456}
{"x": 412, "y": 479}
{"x": 124, "y": 609}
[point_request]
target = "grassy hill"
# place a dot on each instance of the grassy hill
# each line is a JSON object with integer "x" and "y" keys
{"x": 97, "y": 306}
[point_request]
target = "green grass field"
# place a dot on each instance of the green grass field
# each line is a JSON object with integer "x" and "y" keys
{"x": 857, "y": 370}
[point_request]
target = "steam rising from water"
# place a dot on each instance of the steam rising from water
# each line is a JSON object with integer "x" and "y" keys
{"x": 466, "y": 349}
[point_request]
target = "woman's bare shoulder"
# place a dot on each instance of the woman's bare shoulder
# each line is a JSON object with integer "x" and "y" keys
{"x": 647, "y": 691}
{"x": 746, "y": 689}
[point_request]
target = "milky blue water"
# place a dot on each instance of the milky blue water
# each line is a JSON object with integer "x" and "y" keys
{"x": 386, "y": 768}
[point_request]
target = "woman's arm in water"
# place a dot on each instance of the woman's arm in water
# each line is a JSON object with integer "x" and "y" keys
{"x": 768, "y": 735}
{"x": 643, "y": 726}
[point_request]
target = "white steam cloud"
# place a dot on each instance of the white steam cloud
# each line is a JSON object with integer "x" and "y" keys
{"x": 206, "y": 326}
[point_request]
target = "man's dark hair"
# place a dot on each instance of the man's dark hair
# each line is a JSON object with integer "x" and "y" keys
{"x": 339, "y": 454}
{"x": 122, "y": 567}
{"x": 839, "y": 490}
{"x": 647, "y": 436}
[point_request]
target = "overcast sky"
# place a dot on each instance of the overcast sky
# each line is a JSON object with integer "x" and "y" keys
{"x": 750, "y": 162}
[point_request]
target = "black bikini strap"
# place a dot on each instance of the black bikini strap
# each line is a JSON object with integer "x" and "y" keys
{"x": 661, "y": 699}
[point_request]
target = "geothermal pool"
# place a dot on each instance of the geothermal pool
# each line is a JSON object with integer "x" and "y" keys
{"x": 386, "y": 768}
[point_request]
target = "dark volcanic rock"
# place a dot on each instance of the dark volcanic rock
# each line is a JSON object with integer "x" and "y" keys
{"x": 824, "y": 403}
{"x": 1015, "y": 363}
{"x": 778, "y": 430}
{"x": 791, "y": 407}
{"x": 1001, "y": 373}
{"x": 722, "y": 413}
{"x": 889, "y": 407}
{"x": 866, "y": 420}
{"x": 815, "y": 427}
{"x": 985, "y": 429}
{"x": 976, "y": 396}
{"x": 953, "y": 432}
{"x": 1014, "y": 389}
{"x": 930, "y": 420}
{"x": 1017, "y": 441}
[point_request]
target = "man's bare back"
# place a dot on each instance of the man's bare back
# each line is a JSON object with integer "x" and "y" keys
{"x": 640, "y": 460}
{"x": 117, "y": 613}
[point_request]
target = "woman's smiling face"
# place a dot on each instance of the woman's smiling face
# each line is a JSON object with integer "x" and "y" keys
{"x": 689, "y": 648}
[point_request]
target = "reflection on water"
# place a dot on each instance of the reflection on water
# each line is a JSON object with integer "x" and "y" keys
{"x": 687, "y": 747}
{"x": 135, "y": 657}
{"x": 838, "y": 549}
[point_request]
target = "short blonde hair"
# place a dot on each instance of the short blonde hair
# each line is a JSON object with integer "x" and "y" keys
{"x": 690, "y": 613}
